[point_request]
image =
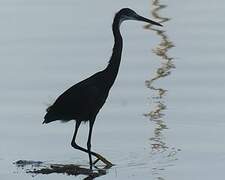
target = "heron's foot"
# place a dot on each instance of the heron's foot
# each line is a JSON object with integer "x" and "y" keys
{"x": 104, "y": 160}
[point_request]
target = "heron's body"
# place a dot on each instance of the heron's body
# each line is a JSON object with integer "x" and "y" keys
{"x": 80, "y": 102}
{"x": 83, "y": 101}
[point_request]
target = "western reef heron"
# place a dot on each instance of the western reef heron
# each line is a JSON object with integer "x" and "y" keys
{"x": 83, "y": 100}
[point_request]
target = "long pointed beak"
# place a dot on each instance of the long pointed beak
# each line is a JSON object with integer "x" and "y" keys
{"x": 140, "y": 18}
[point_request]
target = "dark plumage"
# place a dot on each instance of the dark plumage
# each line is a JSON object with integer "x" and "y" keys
{"x": 83, "y": 101}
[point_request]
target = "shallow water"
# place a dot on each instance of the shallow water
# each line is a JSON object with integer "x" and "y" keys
{"x": 165, "y": 125}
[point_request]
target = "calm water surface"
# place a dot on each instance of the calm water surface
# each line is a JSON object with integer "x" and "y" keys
{"x": 164, "y": 118}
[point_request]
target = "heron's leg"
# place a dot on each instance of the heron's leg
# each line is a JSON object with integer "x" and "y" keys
{"x": 76, "y": 146}
{"x": 91, "y": 123}
{"x": 73, "y": 142}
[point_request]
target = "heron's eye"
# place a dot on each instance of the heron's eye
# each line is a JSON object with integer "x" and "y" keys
{"x": 48, "y": 109}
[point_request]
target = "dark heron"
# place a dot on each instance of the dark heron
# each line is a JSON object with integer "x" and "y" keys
{"x": 83, "y": 100}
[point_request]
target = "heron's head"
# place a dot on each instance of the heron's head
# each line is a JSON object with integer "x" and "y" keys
{"x": 129, "y": 14}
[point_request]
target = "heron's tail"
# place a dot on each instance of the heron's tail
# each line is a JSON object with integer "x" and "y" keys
{"x": 50, "y": 116}
{"x": 48, "y": 119}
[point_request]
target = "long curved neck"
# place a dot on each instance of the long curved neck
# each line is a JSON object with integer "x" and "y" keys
{"x": 114, "y": 63}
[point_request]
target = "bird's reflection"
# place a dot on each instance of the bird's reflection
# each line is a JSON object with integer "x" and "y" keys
{"x": 162, "y": 153}
{"x": 38, "y": 167}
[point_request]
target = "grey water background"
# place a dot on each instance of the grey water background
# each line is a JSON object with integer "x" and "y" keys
{"x": 47, "y": 46}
